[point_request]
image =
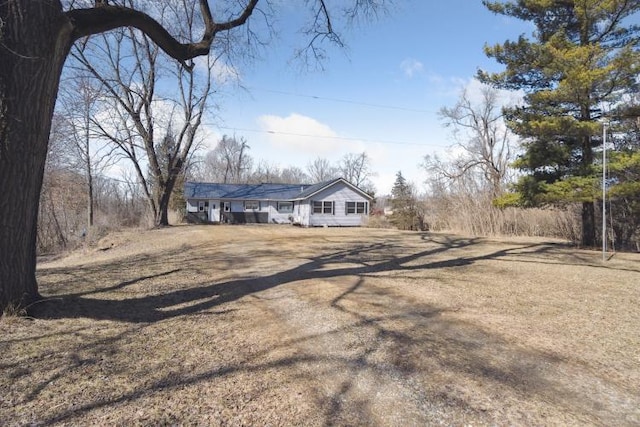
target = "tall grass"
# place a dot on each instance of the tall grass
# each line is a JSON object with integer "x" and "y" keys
{"x": 475, "y": 215}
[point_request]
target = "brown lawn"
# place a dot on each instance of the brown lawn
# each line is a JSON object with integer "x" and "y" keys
{"x": 275, "y": 325}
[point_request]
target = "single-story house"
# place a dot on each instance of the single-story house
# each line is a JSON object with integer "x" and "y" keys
{"x": 331, "y": 203}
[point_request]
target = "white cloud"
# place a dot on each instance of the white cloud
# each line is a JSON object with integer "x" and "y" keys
{"x": 411, "y": 67}
{"x": 474, "y": 91}
{"x": 297, "y": 139}
{"x": 304, "y": 135}
{"x": 454, "y": 86}
{"x": 207, "y": 138}
{"x": 222, "y": 73}
{"x": 384, "y": 182}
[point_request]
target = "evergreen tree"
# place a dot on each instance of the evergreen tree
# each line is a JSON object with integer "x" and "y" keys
{"x": 407, "y": 214}
{"x": 582, "y": 55}
{"x": 400, "y": 192}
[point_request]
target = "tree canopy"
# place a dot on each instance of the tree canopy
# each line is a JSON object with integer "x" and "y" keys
{"x": 581, "y": 60}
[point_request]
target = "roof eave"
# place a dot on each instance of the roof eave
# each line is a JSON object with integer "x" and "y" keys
{"x": 332, "y": 183}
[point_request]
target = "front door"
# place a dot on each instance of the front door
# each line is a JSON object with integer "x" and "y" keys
{"x": 226, "y": 208}
{"x": 214, "y": 214}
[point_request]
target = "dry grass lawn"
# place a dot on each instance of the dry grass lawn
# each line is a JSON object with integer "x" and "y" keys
{"x": 276, "y": 325}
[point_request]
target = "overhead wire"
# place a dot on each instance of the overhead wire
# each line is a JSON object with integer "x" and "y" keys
{"x": 345, "y": 101}
{"x": 344, "y": 138}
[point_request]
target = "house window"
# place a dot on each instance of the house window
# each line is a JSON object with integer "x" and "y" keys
{"x": 285, "y": 207}
{"x": 356, "y": 208}
{"x": 203, "y": 206}
{"x": 350, "y": 208}
{"x": 251, "y": 205}
{"x": 322, "y": 207}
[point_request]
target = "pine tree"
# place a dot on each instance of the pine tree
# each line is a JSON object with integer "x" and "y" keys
{"x": 400, "y": 192}
{"x": 406, "y": 212}
{"x": 581, "y": 56}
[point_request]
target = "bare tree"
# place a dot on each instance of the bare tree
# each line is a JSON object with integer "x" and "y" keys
{"x": 229, "y": 161}
{"x": 484, "y": 143}
{"x": 265, "y": 172}
{"x": 293, "y": 175}
{"x": 51, "y": 230}
{"x": 35, "y": 39}
{"x": 356, "y": 168}
{"x": 320, "y": 170}
{"x": 78, "y": 104}
{"x": 131, "y": 67}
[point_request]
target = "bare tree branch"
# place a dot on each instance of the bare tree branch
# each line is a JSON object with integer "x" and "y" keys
{"x": 97, "y": 20}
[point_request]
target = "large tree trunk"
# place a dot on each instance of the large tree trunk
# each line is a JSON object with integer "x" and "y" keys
{"x": 34, "y": 42}
{"x": 162, "y": 214}
{"x": 164, "y": 197}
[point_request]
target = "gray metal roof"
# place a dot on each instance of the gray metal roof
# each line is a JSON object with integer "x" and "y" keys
{"x": 312, "y": 189}
{"x": 207, "y": 190}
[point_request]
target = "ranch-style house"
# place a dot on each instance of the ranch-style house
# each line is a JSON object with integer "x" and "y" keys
{"x": 334, "y": 203}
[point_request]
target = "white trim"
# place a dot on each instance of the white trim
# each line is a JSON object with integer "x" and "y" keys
{"x": 331, "y": 184}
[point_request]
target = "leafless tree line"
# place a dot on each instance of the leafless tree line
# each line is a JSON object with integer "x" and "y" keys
{"x": 461, "y": 191}
{"x": 231, "y": 162}
{"x": 80, "y": 203}
{"x": 69, "y": 214}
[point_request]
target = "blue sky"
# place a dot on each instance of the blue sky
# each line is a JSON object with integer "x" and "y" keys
{"x": 380, "y": 95}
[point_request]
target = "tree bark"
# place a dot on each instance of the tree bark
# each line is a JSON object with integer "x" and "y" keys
{"x": 162, "y": 214}
{"x": 34, "y": 42}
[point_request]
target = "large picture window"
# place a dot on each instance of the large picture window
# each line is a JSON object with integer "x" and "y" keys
{"x": 322, "y": 207}
{"x": 356, "y": 208}
{"x": 285, "y": 207}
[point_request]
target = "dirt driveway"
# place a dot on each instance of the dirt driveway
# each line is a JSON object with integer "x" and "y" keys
{"x": 262, "y": 325}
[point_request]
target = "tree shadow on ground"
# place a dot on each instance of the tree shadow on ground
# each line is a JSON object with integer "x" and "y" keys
{"x": 427, "y": 343}
{"x": 361, "y": 260}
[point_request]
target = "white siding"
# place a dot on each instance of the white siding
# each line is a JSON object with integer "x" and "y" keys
{"x": 339, "y": 194}
{"x": 302, "y": 214}
{"x": 276, "y": 217}
{"x": 192, "y": 205}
